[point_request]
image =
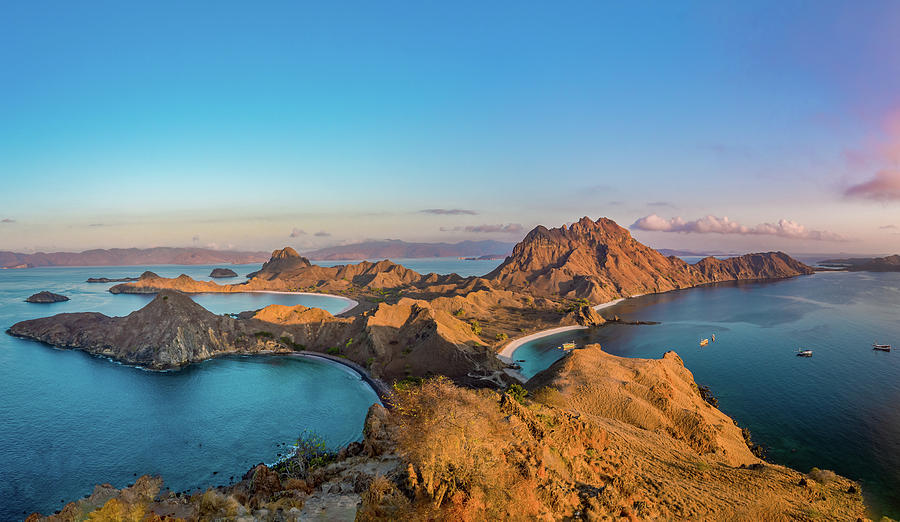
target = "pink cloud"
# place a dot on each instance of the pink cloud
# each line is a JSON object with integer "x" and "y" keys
{"x": 722, "y": 225}
{"x": 884, "y": 186}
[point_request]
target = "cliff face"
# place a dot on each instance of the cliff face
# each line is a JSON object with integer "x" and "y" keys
{"x": 600, "y": 261}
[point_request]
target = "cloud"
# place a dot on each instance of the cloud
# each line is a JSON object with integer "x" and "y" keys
{"x": 196, "y": 238}
{"x": 7, "y": 220}
{"x": 884, "y": 186}
{"x": 322, "y": 233}
{"x": 716, "y": 225}
{"x": 508, "y": 228}
{"x": 448, "y": 211}
{"x": 660, "y": 204}
{"x": 296, "y": 232}
{"x": 97, "y": 225}
{"x": 886, "y": 227}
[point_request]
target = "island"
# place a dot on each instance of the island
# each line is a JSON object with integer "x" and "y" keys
{"x": 864, "y": 264}
{"x": 46, "y": 297}
{"x": 459, "y": 435}
{"x": 222, "y": 272}
{"x": 108, "y": 280}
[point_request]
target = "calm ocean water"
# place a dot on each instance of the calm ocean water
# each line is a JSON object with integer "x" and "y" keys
{"x": 69, "y": 420}
{"x": 837, "y": 410}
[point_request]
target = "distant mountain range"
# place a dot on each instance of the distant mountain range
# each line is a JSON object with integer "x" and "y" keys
{"x": 397, "y": 249}
{"x": 866, "y": 264}
{"x": 131, "y": 256}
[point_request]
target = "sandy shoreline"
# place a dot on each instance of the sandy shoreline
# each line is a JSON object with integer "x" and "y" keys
{"x": 506, "y": 354}
{"x": 351, "y": 304}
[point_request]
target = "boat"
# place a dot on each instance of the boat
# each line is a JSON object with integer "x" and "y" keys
{"x": 704, "y": 342}
{"x": 804, "y": 353}
{"x": 713, "y": 337}
{"x": 881, "y": 347}
{"x": 567, "y": 347}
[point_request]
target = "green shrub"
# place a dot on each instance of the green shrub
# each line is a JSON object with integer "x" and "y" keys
{"x": 476, "y": 328}
{"x": 264, "y": 334}
{"x": 517, "y": 392}
{"x": 502, "y": 336}
{"x": 334, "y": 350}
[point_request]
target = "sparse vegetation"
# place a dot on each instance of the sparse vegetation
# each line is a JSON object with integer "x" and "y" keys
{"x": 262, "y": 334}
{"x": 502, "y": 336}
{"x": 476, "y": 328}
{"x": 517, "y": 392}
{"x": 334, "y": 350}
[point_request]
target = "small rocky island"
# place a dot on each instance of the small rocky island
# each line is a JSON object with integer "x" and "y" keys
{"x": 108, "y": 280}
{"x": 222, "y": 272}
{"x": 46, "y": 297}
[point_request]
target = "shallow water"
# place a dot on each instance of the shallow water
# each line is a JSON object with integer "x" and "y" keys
{"x": 837, "y": 410}
{"x": 69, "y": 420}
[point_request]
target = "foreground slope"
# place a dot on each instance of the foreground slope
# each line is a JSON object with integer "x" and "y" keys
{"x": 647, "y": 448}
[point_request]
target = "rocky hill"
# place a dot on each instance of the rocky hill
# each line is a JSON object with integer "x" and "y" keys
{"x": 600, "y": 261}
{"x": 131, "y": 256}
{"x": 409, "y": 338}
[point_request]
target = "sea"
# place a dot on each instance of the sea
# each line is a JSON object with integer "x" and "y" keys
{"x": 69, "y": 420}
{"x": 837, "y": 410}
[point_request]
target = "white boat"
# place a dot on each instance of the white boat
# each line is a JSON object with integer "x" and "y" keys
{"x": 704, "y": 342}
{"x": 804, "y": 353}
{"x": 881, "y": 347}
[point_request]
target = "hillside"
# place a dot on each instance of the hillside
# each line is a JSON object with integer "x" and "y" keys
{"x": 131, "y": 256}
{"x": 600, "y": 438}
{"x": 397, "y": 249}
{"x": 600, "y": 261}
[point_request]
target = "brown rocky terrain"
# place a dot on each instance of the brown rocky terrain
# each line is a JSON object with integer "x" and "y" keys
{"x": 600, "y": 261}
{"x": 598, "y": 437}
{"x": 409, "y": 338}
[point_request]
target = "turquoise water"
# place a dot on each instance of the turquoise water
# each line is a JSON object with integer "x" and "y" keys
{"x": 837, "y": 410}
{"x": 69, "y": 420}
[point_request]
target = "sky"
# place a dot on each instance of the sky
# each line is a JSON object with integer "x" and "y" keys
{"x": 706, "y": 126}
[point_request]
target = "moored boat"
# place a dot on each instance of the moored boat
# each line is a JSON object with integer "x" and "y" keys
{"x": 881, "y": 347}
{"x": 804, "y": 353}
{"x": 704, "y": 342}
{"x": 567, "y": 346}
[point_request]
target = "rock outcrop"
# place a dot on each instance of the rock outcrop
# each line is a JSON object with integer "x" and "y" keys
{"x": 46, "y": 297}
{"x": 600, "y": 261}
{"x": 222, "y": 272}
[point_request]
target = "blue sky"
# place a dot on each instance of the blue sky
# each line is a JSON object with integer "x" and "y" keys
{"x": 232, "y": 125}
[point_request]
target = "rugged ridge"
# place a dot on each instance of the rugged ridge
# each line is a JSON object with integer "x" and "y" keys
{"x": 600, "y": 261}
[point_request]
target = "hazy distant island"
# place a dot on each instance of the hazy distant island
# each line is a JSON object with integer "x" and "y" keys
{"x": 108, "y": 280}
{"x": 131, "y": 256}
{"x": 397, "y": 249}
{"x": 593, "y": 435}
{"x": 865, "y": 264}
